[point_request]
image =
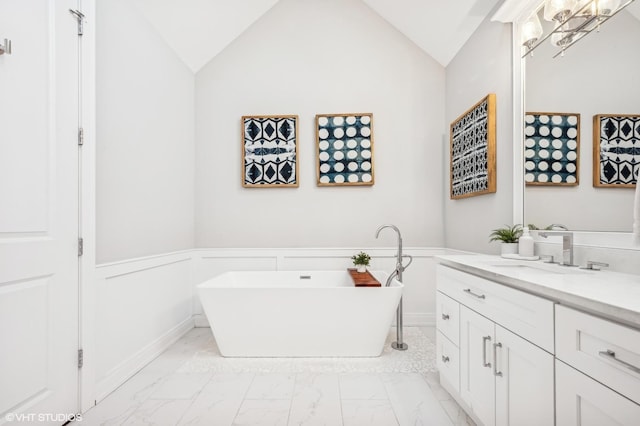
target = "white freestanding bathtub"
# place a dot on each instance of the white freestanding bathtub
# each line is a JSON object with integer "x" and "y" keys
{"x": 298, "y": 314}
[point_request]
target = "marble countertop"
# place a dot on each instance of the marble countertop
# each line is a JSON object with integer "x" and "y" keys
{"x": 611, "y": 295}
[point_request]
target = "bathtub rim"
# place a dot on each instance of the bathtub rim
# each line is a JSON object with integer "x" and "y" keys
{"x": 213, "y": 281}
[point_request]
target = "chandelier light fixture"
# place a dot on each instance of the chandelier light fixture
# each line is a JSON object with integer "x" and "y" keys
{"x": 573, "y": 19}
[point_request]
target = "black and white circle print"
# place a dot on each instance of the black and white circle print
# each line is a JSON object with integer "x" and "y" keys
{"x": 551, "y": 148}
{"x": 345, "y": 149}
{"x": 469, "y": 158}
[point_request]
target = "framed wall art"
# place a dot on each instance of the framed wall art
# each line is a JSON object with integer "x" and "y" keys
{"x": 345, "y": 149}
{"x": 616, "y": 150}
{"x": 552, "y": 148}
{"x": 270, "y": 151}
{"x": 473, "y": 150}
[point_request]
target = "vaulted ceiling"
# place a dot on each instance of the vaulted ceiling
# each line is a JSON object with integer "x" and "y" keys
{"x": 200, "y": 29}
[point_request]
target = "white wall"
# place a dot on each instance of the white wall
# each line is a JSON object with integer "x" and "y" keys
{"x": 596, "y": 76}
{"x": 145, "y": 139}
{"x": 306, "y": 57}
{"x": 481, "y": 67}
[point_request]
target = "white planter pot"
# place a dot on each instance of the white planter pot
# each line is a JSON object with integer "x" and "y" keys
{"x": 509, "y": 248}
{"x": 361, "y": 268}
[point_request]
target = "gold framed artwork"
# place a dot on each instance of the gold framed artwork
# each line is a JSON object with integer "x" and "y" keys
{"x": 345, "y": 149}
{"x": 473, "y": 150}
{"x": 616, "y": 150}
{"x": 270, "y": 151}
{"x": 551, "y": 149}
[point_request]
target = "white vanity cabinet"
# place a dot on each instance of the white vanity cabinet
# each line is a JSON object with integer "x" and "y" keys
{"x": 539, "y": 345}
{"x": 598, "y": 370}
{"x": 504, "y": 379}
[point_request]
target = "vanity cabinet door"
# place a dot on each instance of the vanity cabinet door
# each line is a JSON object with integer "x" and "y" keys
{"x": 477, "y": 385}
{"x": 448, "y": 362}
{"x": 581, "y": 401}
{"x": 524, "y": 381}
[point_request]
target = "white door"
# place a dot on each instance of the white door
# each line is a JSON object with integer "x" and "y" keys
{"x": 477, "y": 386}
{"x": 38, "y": 212}
{"x": 524, "y": 382}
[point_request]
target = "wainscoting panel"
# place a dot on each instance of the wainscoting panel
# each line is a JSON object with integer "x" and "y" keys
{"x": 142, "y": 307}
{"x": 419, "y": 278}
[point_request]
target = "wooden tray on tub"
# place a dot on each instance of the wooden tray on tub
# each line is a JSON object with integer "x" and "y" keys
{"x": 363, "y": 279}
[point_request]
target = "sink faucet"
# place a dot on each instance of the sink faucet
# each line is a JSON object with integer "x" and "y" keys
{"x": 397, "y": 273}
{"x": 567, "y": 245}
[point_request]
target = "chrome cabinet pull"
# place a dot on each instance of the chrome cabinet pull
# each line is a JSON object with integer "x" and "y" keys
{"x": 6, "y": 47}
{"x": 468, "y": 291}
{"x": 445, "y": 359}
{"x": 495, "y": 359}
{"x": 485, "y": 339}
{"x": 445, "y": 316}
{"x": 611, "y": 355}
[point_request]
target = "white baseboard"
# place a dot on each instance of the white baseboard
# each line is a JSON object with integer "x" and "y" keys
{"x": 123, "y": 372}
{"x": 200, "y": 320}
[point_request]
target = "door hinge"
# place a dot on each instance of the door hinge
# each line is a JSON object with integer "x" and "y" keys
{"x": 80, "y": 136}
{"x": 80, "y": 247}
{"x": 80, "y": 358}
{"x": 79, "y": 18}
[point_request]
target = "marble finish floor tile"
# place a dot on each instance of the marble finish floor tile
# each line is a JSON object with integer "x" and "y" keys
{"x": 263, "y": 412}
{"x": 167, "y": 393}
{"x": 362, "y": 386}
{"x": 219, "y": 400}
{"x": 271, "y": 386}
{"x": 413, "y": 400}
{"x": 356, "y": 412}
{"x": 316, "y": 400}
{"x": 158, "y": 412}
{"x": 181, "y": 386}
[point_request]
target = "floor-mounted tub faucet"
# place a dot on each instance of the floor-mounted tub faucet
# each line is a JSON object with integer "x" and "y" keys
{"x": 398, "y": 344}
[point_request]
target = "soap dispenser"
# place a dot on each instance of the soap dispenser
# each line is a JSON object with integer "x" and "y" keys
{"x": 525, "y": 243}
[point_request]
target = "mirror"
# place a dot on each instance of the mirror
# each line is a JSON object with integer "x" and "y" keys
{"x": 597, "y": 75}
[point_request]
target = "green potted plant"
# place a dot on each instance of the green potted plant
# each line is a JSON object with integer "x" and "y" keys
{"x": 508, "y": 236}
{"x": 361, "y": 261}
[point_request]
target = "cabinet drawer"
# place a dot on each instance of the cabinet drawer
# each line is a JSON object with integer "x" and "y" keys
{"x": 448, "y": 317}
{"x": 581, "y": 401}
{"x": 604, "y": 350}
{"x": 527, "y": 315}
{"x": 448, "y": 361}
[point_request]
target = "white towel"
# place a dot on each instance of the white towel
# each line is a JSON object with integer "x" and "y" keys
{"x": 636, "y": 212}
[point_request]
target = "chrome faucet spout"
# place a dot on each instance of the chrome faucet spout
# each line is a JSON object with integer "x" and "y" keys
{"x": 567, "y": 245}
{"x": 399, "y": 254}
{"x": 555, "y": 226}
{"x": 391, "y": 277}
